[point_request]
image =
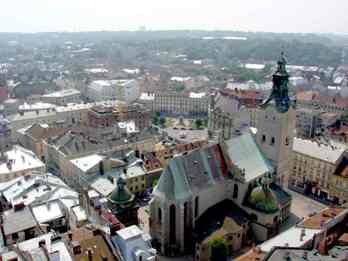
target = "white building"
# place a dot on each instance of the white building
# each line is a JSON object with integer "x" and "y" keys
{"x": 38, "y": 106}
{"x": 36, "y": 188}
{"x": 124, "y": 90}
{"x": 39, "y": 248}
{"x": 134, "y": 244}
{"x": 62, "y": 97}
{"x": 25, "y": 119}
{"x": 19, "y": 162}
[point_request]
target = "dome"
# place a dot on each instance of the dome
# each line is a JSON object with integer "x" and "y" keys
{"x": 263, "y": 199}
{"x": 121, "y": 195}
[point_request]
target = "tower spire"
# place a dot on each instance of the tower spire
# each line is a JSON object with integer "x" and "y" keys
{"x": 280, "y": 92}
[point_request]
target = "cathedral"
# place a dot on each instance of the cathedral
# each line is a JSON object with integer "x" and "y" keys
{"x": 233, "y": 188}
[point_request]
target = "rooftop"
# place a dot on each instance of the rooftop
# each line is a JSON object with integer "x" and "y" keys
{"x": 36, "y": 106}
{"x": 130, "y": 232}
{"x": 108, "y": 83}
{"x": 241, "y": 150}
{"x": 87, "y": 162}
{"x": 38, "y": 188}
{"x": 224, "y": 216}
{"x": 329, "y": 153}
{"x": 296, "y": 254}
{"x": 91, "y": 240}
{"x": 48, "y": 212}
{"x": 54, "y": 248}
{"x": 63, "y": 93}
{"x": 197, "y": 95}
{"x": 196, "y": 170}
{"x": 20, "y": 159}
{"x": 31, "y": 115}
{"x": 290, "y": 238}
{"x": 17, "y": 221}
{"x": 319, "y": 220}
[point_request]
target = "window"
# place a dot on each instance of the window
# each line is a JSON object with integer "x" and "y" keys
{"x": 235, "y": 191}
{"x": 196, "y": 206}
{"x": 159, "y": 215}
{"x": 287, "y": 141}
{"x": 14, "y": 236}
{"x": 172, "y": 224}
{"x": 263, "y": 138}
{"x": 272, "y": 141}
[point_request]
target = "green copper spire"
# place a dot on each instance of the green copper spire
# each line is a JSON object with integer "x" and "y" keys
{"x": 280, "y": 87}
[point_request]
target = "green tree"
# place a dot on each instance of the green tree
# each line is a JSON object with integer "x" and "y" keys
{"x": 154, "y": 183}
{"x": 218, "y": 250}
{"x": 155, "y": 120}
{"x": 198, "y": 123}
{"x": 162, "y": 121}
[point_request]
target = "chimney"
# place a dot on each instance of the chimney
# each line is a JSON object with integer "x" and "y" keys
{"x": 90, "y": 254}
{"x": 76, "y": 248}
{"x": 96, "y": 232}
{"x": 125, "y": 171}
{"x": 303, "y": 233}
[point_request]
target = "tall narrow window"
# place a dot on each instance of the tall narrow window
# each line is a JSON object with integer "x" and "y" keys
{"x": 159, "y": 215}
{"x": 172, "y": 224}
{"x": 272, "y": 141}
{"x": 235, "y": 191}
{"x": 196, "y": 206}
{"x": 263, "y": 138}
{"x": 287, "y": 141}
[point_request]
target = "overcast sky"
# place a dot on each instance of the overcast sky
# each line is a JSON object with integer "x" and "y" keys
{"x": 246, "y": 15}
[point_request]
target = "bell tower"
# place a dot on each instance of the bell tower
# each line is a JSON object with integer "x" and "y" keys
{"x": 276, "y": 125}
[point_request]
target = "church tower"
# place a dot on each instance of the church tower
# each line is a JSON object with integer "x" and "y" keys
{"x": 276, "y": 125}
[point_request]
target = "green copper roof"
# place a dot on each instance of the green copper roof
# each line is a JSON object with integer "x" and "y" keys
{"x": 194, "y": 171}
{"x": 263, "y": 199}
{"x": 121, "y": 194}
{"x": 244, "y": 153}
{"x": 280, "y": 90}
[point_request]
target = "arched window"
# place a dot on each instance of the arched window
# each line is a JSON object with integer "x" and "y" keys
{"x": 263, "y": 138}
{"x": 287, "y": 141}
{"x": 172, "y": 224}
{"x": 185, "y": 213}
{"x": 196, "y": 206}
{"x": 159, "y": 215}
{"x": 272, "y": 141}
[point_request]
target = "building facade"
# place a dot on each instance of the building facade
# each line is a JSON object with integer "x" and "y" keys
{"x": 313, "y": 165}
{"x": 123, "y": 90}
{"x": 187, "y": 104}
{"x": 62, "y": 97}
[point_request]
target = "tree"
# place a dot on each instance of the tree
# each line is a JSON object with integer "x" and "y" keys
{"x": 218, "y": 250}
{"x": 154, "y": 183}
{"x": 162, "y": 121}
{"x": 198, "y": 123}
{"x": 155, "y": 120}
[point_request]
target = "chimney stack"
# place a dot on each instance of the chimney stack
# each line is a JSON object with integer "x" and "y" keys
{"x": 90, "y": 254}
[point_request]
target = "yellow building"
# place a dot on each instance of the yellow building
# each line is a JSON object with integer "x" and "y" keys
{"x": 312, "y": 166}
{"x": 339, "y": 182}
{"x": 135, "y": 179}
